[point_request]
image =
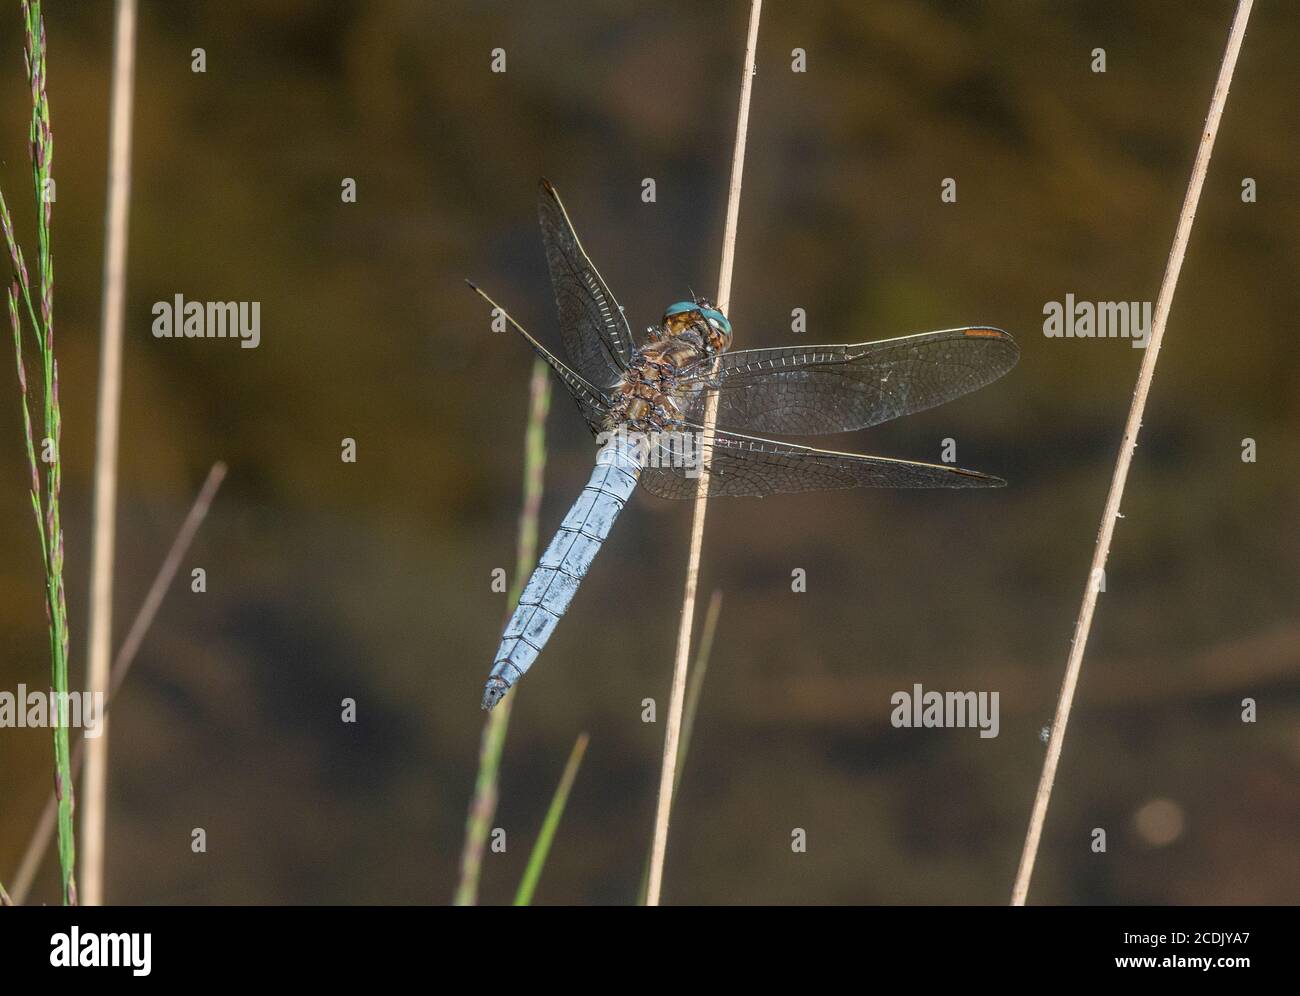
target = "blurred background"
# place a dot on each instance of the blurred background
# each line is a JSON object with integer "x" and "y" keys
{"x": 372, "y": 580}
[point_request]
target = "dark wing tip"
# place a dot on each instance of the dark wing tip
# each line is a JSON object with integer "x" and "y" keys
{"x": 985, "y": 480}
{"x": 549, "y": 203}
{"x": 976, "y": 478}
{"x": 472, "y": 286}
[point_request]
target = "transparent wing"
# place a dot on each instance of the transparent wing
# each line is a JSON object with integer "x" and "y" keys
{"x": 596, "y": 336}
{"x": 809, "y": 390}
{"x": 750, "y": 466}
{"x": 591, "y": 401}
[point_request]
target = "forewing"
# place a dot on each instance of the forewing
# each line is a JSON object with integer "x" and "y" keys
{"x": 591, "y": 401}
{"x": 810, "y": 390}
{"x": 596, "y": 335}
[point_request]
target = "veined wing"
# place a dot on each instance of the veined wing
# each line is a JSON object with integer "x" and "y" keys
{"x": 808, "y": 390}
{"x": 591, "y": 401}
{"x": 750, "y": 466}
{"x": 595, "y": 332}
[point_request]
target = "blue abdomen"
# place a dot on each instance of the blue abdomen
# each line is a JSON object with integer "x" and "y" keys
{"x": 562, "y": 567}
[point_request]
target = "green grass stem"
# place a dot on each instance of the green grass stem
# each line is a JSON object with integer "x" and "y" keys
{"x": 45, "y": 501}
{"x": 482, "y": 807}
{"x": 537, "y": 860}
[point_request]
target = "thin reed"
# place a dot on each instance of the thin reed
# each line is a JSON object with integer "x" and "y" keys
{"x": 677, "y": 695}
{"x": 537, "y": 859}
{"x": 1110, "y": 513}
{"x": 45, "y": 497}
{"x": 94, "y": 795}
{"x": 40, "y": 839}
{"x": 694, "y": 690}
{"x": 482, "y": 807}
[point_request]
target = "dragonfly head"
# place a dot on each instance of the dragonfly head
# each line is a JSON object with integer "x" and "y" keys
{"x": 702, "y": 318}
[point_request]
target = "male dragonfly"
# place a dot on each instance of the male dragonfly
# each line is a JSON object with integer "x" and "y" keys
{"x": 647, "y": 407}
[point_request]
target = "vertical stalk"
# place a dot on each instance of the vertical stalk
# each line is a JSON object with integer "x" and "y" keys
{"x": 1083, "y": 624}
{"x": 672, "y": 733}
{"x": 162, "y": 582}
{"x": 537, "y": 860}
{"x": 94, "y": 787}
{"x": 49, "y": 525}
{"x": 482, "y": 807}
{"x": 693, "y": 692}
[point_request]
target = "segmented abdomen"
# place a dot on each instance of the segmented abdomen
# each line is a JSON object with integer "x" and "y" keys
{"x": 563, "y": 566}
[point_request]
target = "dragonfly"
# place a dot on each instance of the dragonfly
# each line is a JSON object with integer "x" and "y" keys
{"x": 682, "y": 416}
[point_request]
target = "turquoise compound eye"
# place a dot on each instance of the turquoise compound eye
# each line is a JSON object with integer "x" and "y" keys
{"x": 718, "y": 318}
{"x": 679, "y": 308}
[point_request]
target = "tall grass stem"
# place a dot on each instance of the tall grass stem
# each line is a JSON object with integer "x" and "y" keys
{"x": 45, "y": 499}
{"x": 1110, "y": 513}
{"x": 695, "y": 683}
{"x": 672, "y": 732}
{"x": 94, "y": 787}
{"x": 482, "y": 807}
{"x": 144, "y": 617}
{"x": 694, "y": 691}
{"x": 537, "y": 859}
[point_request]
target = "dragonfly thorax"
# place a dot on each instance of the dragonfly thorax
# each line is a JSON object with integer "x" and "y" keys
{"x": 645, "y": 398}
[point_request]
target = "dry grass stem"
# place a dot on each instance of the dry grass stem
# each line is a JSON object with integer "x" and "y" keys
{"x": 672, "y": 733}
{"x": 1111, "y": 511}
{"x": 94, "y": 787}
{"x": 40, "y": 839}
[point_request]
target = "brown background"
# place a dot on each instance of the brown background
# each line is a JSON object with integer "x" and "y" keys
{"x": 371, "y": 580}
